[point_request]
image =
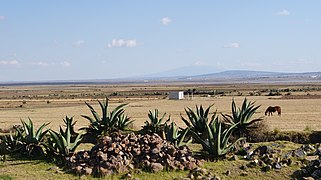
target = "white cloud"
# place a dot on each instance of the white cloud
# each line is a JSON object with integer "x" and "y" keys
{"x": 2, "y": 18}
{"x": 44, "y": 64}
{"x": 13, "y": 62}
{"x": 232, "y": 45}
{"x": 65, "y": 64}
{"x": 122, "y": 43}
{"x": 283, "y": 13}
{"x": 79, "y": 43}
{"x": 166, "y": 20}
{"x": 199, "y": 63}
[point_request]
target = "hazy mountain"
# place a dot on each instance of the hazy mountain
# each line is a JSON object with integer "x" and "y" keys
{"x": 256, "y": 76}
{"x": 184, "y": 71}
{"x": 194, "y": 74}
{"x": 239, "y": 73}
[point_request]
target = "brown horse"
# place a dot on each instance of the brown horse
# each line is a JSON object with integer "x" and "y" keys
{"x": 272, "y": 109}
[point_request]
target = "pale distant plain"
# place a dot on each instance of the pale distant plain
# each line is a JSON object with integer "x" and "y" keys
{"x": 38, "y": 104}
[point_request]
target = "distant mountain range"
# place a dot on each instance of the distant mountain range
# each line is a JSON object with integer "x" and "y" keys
{"x": 180, "y": 75}
{"x": 232, "y": 76}
{"x": 193, "y": 70}
{"x": 209, "y": 73}
{"x": 257, "y": 76}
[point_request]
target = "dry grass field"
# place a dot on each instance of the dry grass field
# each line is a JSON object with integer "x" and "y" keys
{"x": 301, "y": 109}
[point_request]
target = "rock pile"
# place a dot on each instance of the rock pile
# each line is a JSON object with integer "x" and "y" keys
{"x": 269, "y": 158}
{"x": 311, "y": 163}
{"x": 121, "y": 153}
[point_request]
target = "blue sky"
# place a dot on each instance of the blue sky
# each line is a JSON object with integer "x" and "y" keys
{"x": 78, "y": 39}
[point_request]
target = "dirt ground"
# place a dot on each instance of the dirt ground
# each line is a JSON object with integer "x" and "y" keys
{"x": 39, "y": 104}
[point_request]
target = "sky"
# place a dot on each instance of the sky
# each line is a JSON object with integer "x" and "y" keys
{"x": 104, "y": 39}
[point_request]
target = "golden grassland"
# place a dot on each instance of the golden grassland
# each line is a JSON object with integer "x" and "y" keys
{"x": 301, "y": 109}
{"x": 52, "y": 103}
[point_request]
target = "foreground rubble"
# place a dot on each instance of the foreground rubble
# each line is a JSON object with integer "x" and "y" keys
{"x": 268, "y": 158}
{"x": 121, "y": 153}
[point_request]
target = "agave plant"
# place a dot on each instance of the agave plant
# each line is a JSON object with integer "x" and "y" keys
{"x": 105, "y": 124}
{"x": 123, "y": 122}
{"x": 241, "y": 118}
{"x": 155, "y": 124}
{"x": 61, "y": 143}
{"x": 69, "y": 123}
{"x": 197, "y": 121}
{"x": 31, "y": 139}
{"x": 11, "y": 143}
{"x": 217, "y": 144}
{"x": 176, "y": 136}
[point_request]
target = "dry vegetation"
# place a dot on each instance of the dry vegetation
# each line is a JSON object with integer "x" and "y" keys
{"x": 300, "y": 112}
{"x": 300, "y": 102}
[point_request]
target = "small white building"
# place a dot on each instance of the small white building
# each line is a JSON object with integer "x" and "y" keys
{"x": 176, "y": 95}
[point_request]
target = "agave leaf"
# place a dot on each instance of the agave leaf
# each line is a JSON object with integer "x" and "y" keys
{"x": 161, "y": 119}
{"x": 116, "y": 113}
{"x": 151, "y": 116}
{"x": 230, "y": 146}
{"x": 39, "y": 133}
{"x": 202, "y": 141}
{"x": 88, "y": 118}
{"x": 208, "y": 110}
{"x": 252, "y": 122}
{"x": 185, "y": 121}
{"x": 192, "y": 116}
{"x": 64, "y": 142}
{"x": 31, "y": 128}
{"x": 76, "y": 142}
{"x": 25, "y": 127}
{"x": 55, "y": 136}
{"x": 123, "y": 122}
{"x": 68, "y": 135}
{"x": 182, "y": 136}
{"x": 94, "y": 113}
{"x": 104, "y": 108}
